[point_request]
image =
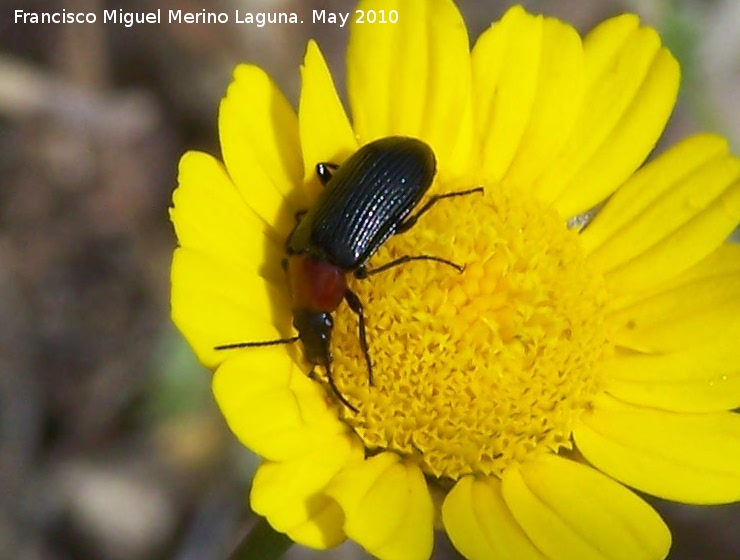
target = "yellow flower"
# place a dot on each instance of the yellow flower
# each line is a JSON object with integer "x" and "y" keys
{"x": 511, "y": 402}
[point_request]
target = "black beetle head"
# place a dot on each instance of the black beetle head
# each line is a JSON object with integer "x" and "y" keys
{"x": 314, "y": 329}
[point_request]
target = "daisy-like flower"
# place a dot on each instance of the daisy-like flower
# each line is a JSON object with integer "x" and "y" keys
{"x": 515, "y": 403}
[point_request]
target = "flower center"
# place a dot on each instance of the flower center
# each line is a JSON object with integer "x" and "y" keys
{"x": 477, "y": 369}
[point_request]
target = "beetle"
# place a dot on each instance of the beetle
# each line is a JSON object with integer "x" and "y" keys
{"x": 366, "y": 200}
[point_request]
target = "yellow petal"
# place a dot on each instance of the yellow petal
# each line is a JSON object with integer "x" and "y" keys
{"x": 645, "y": 188}
{"x": 686, "y": 315}
{"x": 505, "y": 61}
{"x": 323, "y": 526}
{"x": 690, "y": 458}
{"x": 669, "y": 216}
{"x": 700, "y": 378}
{"x": 681, "y": 248}
{"x": 570, "y": 510}
{"x": 412, "y": 78}
{"x": 387, "y": 506}
{"x": 528, "y": 84}
{"x": 480, "y": 524}
{"x": 532, "y": 111}
{"x": 326, "y": 134}
{"x": 289, "y": 494}
{"x": 215, "y": 302}
{"x": 210, "y": 217}
{"x": 605, "y": 42}
{"x": 261, "y": 148}
{"x": 272, "y": 407}
{"x": 631, "y": 88}
{"x": 723, "y": 261}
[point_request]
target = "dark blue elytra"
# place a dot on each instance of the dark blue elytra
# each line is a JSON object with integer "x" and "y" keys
{"x": 365, "y": 202}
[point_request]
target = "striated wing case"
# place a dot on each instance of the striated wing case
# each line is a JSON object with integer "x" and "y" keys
{"x": 365, "y": 201}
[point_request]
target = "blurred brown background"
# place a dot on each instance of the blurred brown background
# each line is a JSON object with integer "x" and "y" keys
{"x": 110, "y": 445}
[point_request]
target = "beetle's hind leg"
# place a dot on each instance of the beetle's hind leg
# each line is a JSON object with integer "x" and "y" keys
{"x": 325, "y": 170}
{"x": 356, "y": 305}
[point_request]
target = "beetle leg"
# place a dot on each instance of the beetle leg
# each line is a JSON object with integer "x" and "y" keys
{"x": 325, "y": 170}
{"x": 335, "y": 390}
{"x": 411, "y": 220}
{"x": 298, "y": 217}
{"x": 363, "y": 272}
{"x": 356, "y": 305}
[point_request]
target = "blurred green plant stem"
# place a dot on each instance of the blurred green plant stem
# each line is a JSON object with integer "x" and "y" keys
{"x": 262, "y": 542}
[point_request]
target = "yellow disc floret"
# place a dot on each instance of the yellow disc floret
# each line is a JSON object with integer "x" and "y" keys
{"x": 475, "y": 370}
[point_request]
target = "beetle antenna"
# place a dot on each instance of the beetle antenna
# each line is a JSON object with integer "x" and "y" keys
{"x": 234, "y": 345}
